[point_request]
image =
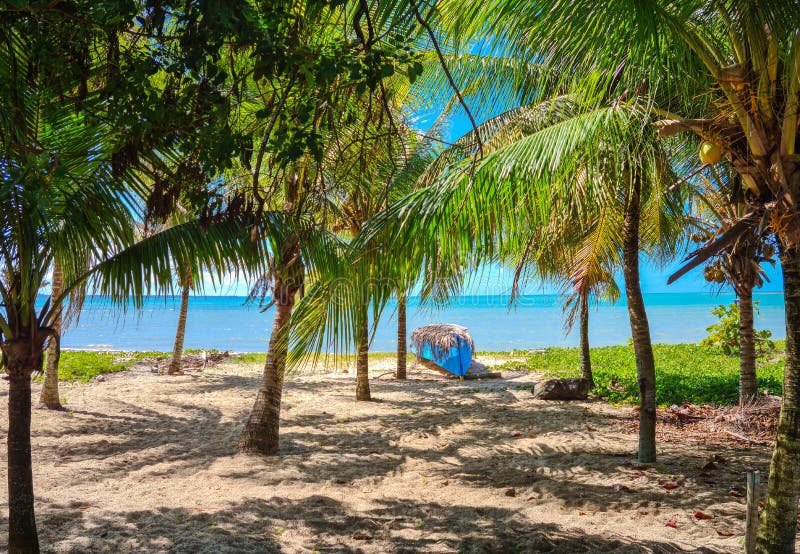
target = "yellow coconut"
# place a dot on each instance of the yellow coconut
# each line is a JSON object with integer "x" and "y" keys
{"x": 710, "y": 152}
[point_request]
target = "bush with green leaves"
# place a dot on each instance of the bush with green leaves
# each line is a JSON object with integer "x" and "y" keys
{"x": 725, "y": 333}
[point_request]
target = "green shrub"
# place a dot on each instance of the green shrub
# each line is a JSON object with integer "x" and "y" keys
{"x": 725, "y": 333}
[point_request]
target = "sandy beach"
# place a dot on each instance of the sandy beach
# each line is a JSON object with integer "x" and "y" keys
{"x": 146, "y": 463}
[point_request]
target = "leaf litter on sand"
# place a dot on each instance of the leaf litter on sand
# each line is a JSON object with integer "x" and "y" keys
{"x": 752, "y": 423}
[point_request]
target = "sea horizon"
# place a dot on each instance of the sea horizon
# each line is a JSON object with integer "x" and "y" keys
{"x": 534, "y": 321}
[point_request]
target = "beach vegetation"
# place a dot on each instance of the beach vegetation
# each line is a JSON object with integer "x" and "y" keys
{"x": 691, "y": 373}
{"x": 725, "y": 333}
{"x": 738, "y": 264}
{"x": 85, "y": 366}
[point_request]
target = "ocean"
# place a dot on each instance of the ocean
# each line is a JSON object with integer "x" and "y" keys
{"x": 228, "y": 323}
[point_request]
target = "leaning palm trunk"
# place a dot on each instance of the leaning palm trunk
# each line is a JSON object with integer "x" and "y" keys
{"x": 261, "y": 432}
{"x": 49, "y": 397}
{"x": 586, "y": 358}
{"x": 640, "y": 329}
{"x": 362, "y": 362}
{"x": 776, "y": 534}
{"x": 401, "y": 336}
{"x": 748, "y": 385}
{"x": 175, "y": 365}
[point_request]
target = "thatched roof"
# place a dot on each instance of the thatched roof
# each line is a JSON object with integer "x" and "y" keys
{"x": 442, "y": 337}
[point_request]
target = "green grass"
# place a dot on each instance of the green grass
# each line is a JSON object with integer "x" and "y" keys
{"x": 684, "y": 372}
{"x": 85, "y": 366}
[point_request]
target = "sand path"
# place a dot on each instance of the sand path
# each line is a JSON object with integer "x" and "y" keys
{"x": 146, "y": 463}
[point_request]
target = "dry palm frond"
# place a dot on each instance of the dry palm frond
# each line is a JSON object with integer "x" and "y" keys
{"x": 441, "y": 337}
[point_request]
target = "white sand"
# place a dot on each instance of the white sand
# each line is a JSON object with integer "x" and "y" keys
{"x": 147, "y": 463}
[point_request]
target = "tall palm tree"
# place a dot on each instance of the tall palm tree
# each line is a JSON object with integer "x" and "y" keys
{"x": 66, "y": 312}
{"x": 728, "y": 73}
{"x": 76, "y": 215}
{"x": 402, "y": 335}
{"x": 738, "y": 264}
{"x": 74, "y": 132}
{"x": 560, "y": 171}
{"x": 284, "y": 280}
{"x": 574, "y": 251}
{"x": 185, "y": 283}
{"x": 369, "y": 174}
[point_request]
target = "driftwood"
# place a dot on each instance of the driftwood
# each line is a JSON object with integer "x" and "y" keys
{"x": 486, "y": 375}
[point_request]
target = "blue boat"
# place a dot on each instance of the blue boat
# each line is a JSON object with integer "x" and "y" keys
{"x": 448, "y": 346}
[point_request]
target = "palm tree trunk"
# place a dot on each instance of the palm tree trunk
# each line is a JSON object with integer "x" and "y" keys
{"x": 362, "y": 363}
{"x": 177, "y": 349}
{"x": 776, "y": 533}
{"x": 748, "y": 385}
{"x": 401, "y": 336}
{"x": 640, "y": 329}
{"x": 586, "y": 357}
{"x": 20, "y": 364}
{"x": 261, "y": 432}
{"x": 49, "y": 396}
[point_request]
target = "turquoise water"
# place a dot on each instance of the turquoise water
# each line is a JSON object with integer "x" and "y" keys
{"x": 226, "y": 323}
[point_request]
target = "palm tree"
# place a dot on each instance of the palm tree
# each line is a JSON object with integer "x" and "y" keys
{"x": 738, "y": 264}
{"x": 332, "y": 317}
{"x": 566, "y": 169}
{"x": 66, "y": 311}
{"x": 728, "y": 73}
{"x": 285, "y": 279}
{"x": 76, "y": 215}
{"x": 402, "y": 334}
{"x": 577, "y": 255}
{"x": 185, "y": 283}
{"x": 369, "y": 176}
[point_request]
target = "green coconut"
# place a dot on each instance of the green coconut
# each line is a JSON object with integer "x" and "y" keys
{"x": 710, "y": 152}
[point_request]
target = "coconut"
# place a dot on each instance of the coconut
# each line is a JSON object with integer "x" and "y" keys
{"x": 710, "y": 152}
